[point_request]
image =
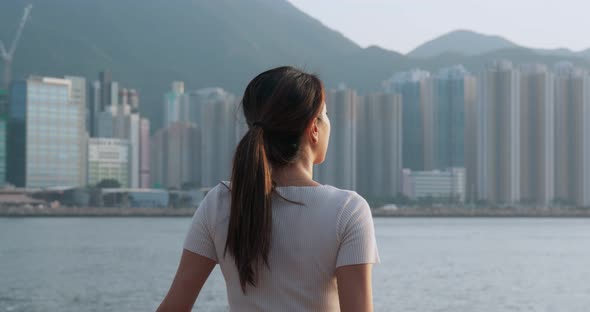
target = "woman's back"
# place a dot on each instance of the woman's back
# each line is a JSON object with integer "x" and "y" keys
{"x": 303, "y": 247}
{"x": 326, "y": 228}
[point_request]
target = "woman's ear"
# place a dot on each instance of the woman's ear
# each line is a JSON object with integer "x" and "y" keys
{"x": 314, "y": 132}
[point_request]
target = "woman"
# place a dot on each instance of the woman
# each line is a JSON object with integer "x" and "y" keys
{"x": 283, "y": 241}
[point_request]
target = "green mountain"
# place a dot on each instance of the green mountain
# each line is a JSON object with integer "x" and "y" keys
{"x": 470, "y": 43}
{"x": 463, "y": 42}
{"x": 150, "y": 43}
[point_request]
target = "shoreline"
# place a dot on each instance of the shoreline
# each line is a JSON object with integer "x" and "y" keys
{"x": 403, "y": 212}
{"x": 483, "y": 214}
{"x": 73, "y": 212}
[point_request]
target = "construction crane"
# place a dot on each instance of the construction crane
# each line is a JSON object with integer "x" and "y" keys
{"x": 8, "y": 55}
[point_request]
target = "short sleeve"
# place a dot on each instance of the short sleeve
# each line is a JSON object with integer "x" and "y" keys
{"x": 199, "y": 238}
{"x": 358, "y": 244}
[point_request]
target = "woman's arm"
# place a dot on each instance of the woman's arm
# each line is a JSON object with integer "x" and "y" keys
{"x": 354, "y": 288}
{"x": 192, "y": 273}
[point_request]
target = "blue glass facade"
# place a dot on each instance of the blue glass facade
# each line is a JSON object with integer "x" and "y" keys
{"x": 17, "y": 134}
{"x": 3, "y": 134}
{"x": 413, "y": 125}
{"x": 45, "y": 135}
{"x": 449, "y": 121}
{"x": 2, "y": 150}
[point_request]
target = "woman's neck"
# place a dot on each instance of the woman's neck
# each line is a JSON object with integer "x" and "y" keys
{"x": 297, "y": 174}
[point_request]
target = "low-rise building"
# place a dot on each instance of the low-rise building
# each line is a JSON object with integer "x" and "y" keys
{"x": 436, "y": 184}
{"x": 108, "y": 159}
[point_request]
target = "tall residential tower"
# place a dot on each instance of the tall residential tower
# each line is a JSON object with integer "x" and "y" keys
{"x": 498, "y": 133}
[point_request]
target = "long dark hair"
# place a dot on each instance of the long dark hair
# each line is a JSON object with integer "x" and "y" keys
{"x": 279, "y": 104}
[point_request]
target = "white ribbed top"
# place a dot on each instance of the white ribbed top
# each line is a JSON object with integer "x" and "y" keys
{"x": 333, "y": 228}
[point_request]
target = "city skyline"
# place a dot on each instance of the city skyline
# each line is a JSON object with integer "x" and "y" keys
{"x": 485, "y": 137}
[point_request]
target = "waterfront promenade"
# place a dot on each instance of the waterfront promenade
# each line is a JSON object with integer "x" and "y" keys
{"x": 478, "y": 212}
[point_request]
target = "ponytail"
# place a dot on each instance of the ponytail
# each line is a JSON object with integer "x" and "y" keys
{"x": 278, "y": 105}
{"x": 250, "y": 223}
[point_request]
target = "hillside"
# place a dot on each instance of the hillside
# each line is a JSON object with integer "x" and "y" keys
{"x": 461, "y": 41}
{"x": 149, "y": 43}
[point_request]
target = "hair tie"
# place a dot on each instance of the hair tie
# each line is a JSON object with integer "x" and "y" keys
{"x": 258, "y": 124}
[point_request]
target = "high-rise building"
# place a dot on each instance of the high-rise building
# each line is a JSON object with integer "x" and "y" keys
{"x": 537, "y": 115}
{"x": 176, "y": 156}
{"x": 104, "y": 93}
{"x": 108, "y": 159}
{"x": 107, "y": 92}
{"x": 47, "y": 139}
{"x": 3, "y": 101}
{"x": 115, "y": 114}
{"x": 572, "y": 135}
{"x": 215, "y": 110}
{"x": 498, "y": 133}
{"x": 133, "y": 99}
{"x": 220, "y": 120}
{"x": 157, "y": 159}
{"x": 176, "y": 104}
{"x": 454, "y": 92}
{"x": 78, "y": 97}
{"x": 123, "y": 96}
{"x": 379, "y": 145}
{"x": 94, "y": 108}
{"x": 471, "y": 143}
{"x": 416, "y": 90}
{"x": 121, "y": 123}
{"x": 3, "y": 134}
{"x": 144, "y": 153}
{"x": 339, "y": 167}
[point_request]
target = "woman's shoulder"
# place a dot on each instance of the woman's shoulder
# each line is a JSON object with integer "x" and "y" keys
{"x": 220, "y": 190}
{"x": 216, "y": 197}
{"x": 349, "y": 196}
{"x": 349, "y": 203}
{"x": 328, "y": 194}
{"x": 339, "y": 200}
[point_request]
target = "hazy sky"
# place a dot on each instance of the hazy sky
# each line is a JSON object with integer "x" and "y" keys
{"x": 402, "y": 25}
